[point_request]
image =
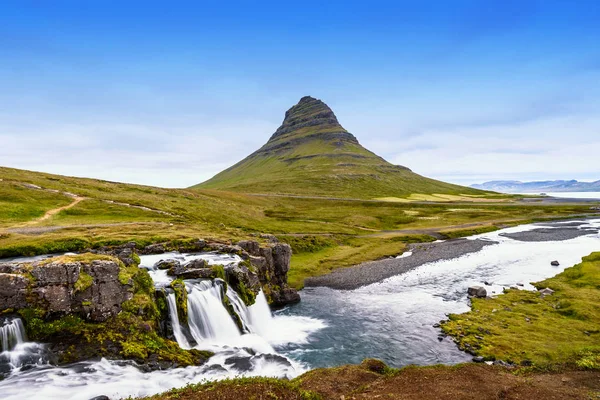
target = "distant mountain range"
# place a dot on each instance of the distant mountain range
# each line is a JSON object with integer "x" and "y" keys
{"x": 539, "y": 186}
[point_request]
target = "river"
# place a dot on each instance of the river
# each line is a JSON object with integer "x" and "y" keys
{"x": 393, "y": 320}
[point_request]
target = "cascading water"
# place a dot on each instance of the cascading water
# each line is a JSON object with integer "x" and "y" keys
{"x": 12, "y": 333}
{"x": 175, "y": 324}
{"x": 16, "y": 350}
{"x": 207, "y": 317}
{"x": 238, "y": 352}
{"x": 240, "y": 309}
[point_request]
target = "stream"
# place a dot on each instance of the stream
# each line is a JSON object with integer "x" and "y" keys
{"x": 393, "y": 320}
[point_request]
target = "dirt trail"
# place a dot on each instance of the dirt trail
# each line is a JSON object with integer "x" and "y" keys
{"x": 50, "y": 213}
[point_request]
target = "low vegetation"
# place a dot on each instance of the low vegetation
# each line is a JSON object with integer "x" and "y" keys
{"x": 546, "y": 331}
{"x": 373, "y": 380}
{"x": 325, "y": 233}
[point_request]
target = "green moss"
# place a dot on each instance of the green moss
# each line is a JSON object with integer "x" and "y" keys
{"x": 126, "y": 274}
{"x": 83, "y": 282}
{"x": 219, "y": 272}
{"x": 136, "y": 259}
{"x": 178, "y": 287}
{"x": 247, "y": 295}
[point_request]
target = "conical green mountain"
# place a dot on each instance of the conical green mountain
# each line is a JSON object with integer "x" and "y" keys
{"x": 311, "y": 154}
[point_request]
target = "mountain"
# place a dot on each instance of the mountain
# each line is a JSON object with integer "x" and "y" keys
{"x": 311, "y": 154}
{"x": 539, "y": 186}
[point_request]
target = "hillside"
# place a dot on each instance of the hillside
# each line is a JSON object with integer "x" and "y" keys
{"x": 311, "y": 154}
{"x": 539, "y": 186}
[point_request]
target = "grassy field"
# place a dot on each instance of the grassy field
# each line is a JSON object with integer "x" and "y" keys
{"x": 524, "y": 327}
{"x": 325, "y": 233}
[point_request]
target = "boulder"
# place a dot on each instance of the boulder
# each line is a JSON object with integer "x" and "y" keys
{"x": 177, "y": 269}
{"x": 167, "y": 264}
{"x": 477, "y": 291}
{"x": 197, "y": 273}
{"x": 555, "y": 263}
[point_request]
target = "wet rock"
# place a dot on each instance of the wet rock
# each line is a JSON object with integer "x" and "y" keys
{"x": 102, "y": 397}
{"x": 167, "y": 264}
{"x": 478, "y": 359}
{"x": 285, "y": 296}
{"x": 477, "y": 291}
{"x": 197, "y": 273}
{"x": 520, "y": 284}
{"x": 555, "y": 263}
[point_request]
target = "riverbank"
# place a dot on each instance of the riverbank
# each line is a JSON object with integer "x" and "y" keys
{"x": 548, "y": 329}
{"x": 372, "y": 380}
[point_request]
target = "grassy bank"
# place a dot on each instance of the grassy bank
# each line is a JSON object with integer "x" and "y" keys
{"x": 371, "y": 380}
{"x": 523, "y": 327}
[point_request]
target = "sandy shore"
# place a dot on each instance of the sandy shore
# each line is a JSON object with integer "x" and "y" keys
{"x": 375, "y": 271}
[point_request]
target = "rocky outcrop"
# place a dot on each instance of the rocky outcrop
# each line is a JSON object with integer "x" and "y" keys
{"x": 264, "y": 266}
{"x": 272, "y": 264}
{"x": 93, "y": 289}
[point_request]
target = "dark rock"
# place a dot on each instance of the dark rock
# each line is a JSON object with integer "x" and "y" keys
{"x": 478, "y": 359}
{"x": 167, "y": 264}
{"x": 555, "y": 263}
{"x": 250, "y": 246}
{"x": 13, "y": 291}
{"x": 100, "y": 398}
{"x": 197, "y": 273}
{"x": 285, "y": 296}
{"x": 486, "y": 283}
{"x": 477, "y": 291}
{"x": 56, "y": 289}
{"x": 154, "y": 249}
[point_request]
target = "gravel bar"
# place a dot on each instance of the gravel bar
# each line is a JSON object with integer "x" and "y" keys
{"x": 376, "y": 271}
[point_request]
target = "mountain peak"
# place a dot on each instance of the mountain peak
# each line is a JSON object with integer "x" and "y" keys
{"x": 309, "y": 112}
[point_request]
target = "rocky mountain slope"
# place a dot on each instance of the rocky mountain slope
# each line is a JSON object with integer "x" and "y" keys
{"x": 311, "y": 154}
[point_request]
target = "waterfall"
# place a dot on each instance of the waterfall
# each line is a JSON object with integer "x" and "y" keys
{"x": 208, "y": 318}
{"x": 260, "y": 315}
{"x": 16, "y": 350}
{"x": 177, "y": 332}
{"x": 240, "y": 309}
{"x": 12, "y": 333}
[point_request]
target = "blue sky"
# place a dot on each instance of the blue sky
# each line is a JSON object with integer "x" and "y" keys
{"x": 170, "y": 93}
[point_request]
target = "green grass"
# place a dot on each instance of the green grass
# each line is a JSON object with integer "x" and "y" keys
{"x": 521, "y": 326}
{"x": 341, "y": 232}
